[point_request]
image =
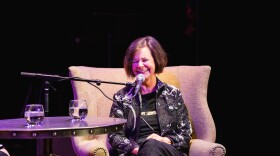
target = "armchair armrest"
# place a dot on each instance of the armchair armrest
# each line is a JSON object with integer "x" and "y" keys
{"x": 84, "y": 146}
{"x": 204, "y": 148}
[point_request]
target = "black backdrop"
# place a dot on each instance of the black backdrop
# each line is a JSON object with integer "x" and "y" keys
{"x": 50, "y": 38}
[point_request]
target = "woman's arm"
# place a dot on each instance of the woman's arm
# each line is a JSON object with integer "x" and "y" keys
{"x": 118, "y": 140}
{"x": 180, "y": 136}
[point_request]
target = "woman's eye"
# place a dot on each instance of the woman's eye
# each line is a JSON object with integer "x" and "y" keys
{"x": 143, "y": 60}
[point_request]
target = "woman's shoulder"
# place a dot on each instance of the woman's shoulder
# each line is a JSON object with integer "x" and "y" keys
{"x": 172, "y": 87}
{"x": 124, "y": 90}
{"x": 161, "y": 84}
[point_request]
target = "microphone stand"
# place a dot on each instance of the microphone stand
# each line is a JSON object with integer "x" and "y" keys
{"x": 47, "y": 142}
{"x": 48, "y": 78}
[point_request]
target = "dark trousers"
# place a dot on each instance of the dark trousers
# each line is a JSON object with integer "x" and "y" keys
{"x": 153, "y": 147}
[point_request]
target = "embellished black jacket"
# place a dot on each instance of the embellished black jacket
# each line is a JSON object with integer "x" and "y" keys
{"x": 172, "y": 116}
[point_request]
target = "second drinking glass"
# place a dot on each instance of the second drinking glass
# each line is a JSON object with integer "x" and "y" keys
{"x": 78, "y": 109}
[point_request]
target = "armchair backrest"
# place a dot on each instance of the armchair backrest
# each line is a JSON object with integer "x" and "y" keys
{"x": 191, "y": 80}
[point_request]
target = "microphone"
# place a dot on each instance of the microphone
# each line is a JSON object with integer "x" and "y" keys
{"x": 140, "y": 78}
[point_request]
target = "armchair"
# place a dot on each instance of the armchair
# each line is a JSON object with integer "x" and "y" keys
{"x": 191, "y": 80}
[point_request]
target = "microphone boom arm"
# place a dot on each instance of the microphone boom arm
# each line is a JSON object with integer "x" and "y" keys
{"x": 62, "y": 78}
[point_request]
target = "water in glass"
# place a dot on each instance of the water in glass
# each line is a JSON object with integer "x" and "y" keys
{"x": 78, "y": 109}
{"x": 34, "y": 114}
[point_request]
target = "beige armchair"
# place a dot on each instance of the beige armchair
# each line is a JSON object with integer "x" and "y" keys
{"x": 191, "y": 80}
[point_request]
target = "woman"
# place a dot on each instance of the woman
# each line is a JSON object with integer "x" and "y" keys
{"x": 157, "y": 118}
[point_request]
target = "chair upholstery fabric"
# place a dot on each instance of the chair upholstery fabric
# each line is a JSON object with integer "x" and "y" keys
{"x": 191, "y": 80}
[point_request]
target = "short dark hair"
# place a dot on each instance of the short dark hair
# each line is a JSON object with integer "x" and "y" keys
{"x": 158, "y": 53}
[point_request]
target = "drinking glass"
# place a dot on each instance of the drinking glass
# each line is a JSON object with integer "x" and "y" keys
{"x": 78, "y": 109}
{"x": 34, "y": 114}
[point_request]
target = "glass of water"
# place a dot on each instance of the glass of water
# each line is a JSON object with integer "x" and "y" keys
{"x": 78, "y": 109}
{"x": 34, "y": 114}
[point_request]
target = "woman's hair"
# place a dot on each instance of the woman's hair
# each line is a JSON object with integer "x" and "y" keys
{"x": 158, "y": 54}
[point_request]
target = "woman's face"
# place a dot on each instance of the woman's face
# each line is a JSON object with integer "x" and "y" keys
{"x": 143, "y": 63}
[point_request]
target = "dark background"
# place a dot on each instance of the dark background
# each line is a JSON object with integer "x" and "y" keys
{"x": 44, "y": 38}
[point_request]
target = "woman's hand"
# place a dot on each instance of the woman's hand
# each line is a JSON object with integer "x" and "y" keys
{"x": 135, "y": 151}
{"x": 159, "y": 138}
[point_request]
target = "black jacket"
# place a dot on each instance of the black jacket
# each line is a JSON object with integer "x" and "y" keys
{"x": 172, "y": 116}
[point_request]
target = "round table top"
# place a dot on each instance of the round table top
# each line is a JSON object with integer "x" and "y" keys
{"x": 60, "y": 126}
